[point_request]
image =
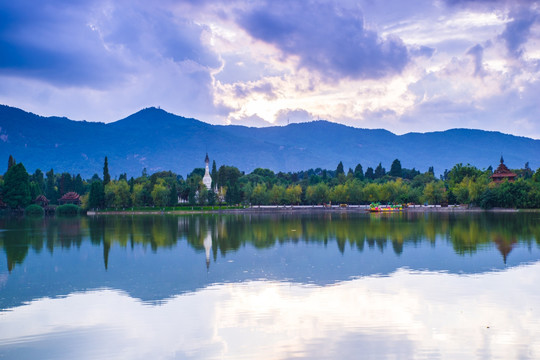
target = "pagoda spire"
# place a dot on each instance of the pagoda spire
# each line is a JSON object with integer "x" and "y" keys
{"x": 207, "y": 179}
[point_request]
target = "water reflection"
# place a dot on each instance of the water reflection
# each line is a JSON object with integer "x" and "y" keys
{"x": 272, "y": 286}
{"x": 408, "y": 314}
{"x": 223, "y": 234}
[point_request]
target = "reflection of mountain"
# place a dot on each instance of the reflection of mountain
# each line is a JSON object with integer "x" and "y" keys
{"x": 153, "y": 257}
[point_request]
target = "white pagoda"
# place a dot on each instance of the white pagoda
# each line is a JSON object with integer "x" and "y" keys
{"x": 207, "y": 179}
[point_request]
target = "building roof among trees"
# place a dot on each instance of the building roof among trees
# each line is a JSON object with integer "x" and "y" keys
{"x": 41, "y": 199}
{"x": 502, "y": 172}
{"x": 70, "y": 197}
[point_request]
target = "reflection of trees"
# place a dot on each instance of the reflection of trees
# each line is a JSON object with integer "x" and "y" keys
{"x": 226, "y": 233}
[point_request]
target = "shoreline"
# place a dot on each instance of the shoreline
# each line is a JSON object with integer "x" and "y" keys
{"x": 313, "y": 209}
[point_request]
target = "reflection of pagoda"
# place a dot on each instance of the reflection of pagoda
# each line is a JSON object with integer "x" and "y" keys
{"x": 504, "y": 246}
{"x": 502, "y": 172}
{"x": 207, "y": 247}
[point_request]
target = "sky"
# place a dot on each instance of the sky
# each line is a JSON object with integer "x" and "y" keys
{"x": 403, "y": 66}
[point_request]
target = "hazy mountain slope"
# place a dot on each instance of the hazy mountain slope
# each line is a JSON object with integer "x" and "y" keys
{"x": 158, "y": 140}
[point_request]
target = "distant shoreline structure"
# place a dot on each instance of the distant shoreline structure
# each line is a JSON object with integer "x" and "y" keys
{"x": 299, "y": 209}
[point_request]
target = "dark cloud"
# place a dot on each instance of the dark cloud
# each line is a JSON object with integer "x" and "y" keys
{"x": 477, "y": 52}
{"x": 422, "y": 51}
{"x": 265, "y": 88}
{"x": 148, "y": 32}
{"x": 517, "y": 31}
{"x": 51, "y": 41}
{"x": 94, "y": 44}
{"x": 326, "y": 37}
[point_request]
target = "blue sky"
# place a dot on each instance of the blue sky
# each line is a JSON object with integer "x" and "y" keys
{"x": 403, "y": 66}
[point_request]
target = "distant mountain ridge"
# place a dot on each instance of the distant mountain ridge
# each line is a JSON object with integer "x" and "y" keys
{"x": 157, "y": 140}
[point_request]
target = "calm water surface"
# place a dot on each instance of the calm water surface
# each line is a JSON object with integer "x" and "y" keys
{"x": 321, "y": 286}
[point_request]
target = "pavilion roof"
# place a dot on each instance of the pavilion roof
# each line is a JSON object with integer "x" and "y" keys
{"x": 41, "y": 198}
{"x": 70, "y": 196}
{"x": 502, "y": 172}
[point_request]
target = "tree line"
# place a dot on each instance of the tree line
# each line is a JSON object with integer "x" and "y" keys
{"x": 463, "y": 184}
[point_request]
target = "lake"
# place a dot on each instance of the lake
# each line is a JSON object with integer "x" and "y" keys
{"x": 325, "y": 285}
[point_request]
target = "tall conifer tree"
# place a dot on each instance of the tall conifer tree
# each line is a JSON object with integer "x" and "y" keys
{"x": 11, "y": 162}
{"x": 106, "y": 176}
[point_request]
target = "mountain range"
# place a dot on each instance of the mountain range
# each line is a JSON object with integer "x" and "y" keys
{"x": 157, "y": 140}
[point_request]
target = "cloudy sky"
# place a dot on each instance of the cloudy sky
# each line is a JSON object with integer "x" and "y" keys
{"x": 403, "y": 66}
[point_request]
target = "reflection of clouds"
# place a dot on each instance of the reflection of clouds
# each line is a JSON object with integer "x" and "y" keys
{"x": 408, "y": 314}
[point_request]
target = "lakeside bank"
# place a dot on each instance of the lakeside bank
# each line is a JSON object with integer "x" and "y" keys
{"x": 303, "y": 209}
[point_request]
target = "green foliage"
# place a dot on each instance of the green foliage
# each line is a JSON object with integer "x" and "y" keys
{"x": 51, "y": 192}
{"x": 68, "y": 210}
{"x": 379, "y": 171}
{"x": 339, "y": 169}
{"x": 395, "y": 169}
{"x": 16, "y": 191}
{"x": 463, "y": 185}
{"x": 160, "y": 194}
{"x": 259, "y": 195}
{"x": 435, "y": 193}
{"x": 459, "y": 172}
{"x": 11, "y": 162}
{"x": 317, "y": 194}
{"x": 106, "y": 176}
{"x": 359, "y": 172}
{"x": 293, "y": 194}
{"x": 277, "y": 195}
{"x": 34, "y": 210}
{"x": 369, "y": 173}
{"x": 96, "y": 198}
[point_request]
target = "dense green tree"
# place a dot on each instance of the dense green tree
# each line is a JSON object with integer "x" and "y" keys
{"x": 211, "y": 197}
{"x": 228, "y": 176}
{"x": 110, "y": 194}
{"x": 16, "y": 191}
{"x": 317, "y": 194}
{"x": 11, "y": 162}
{"x": 359, "y": 172}
{"x": 435, "y": 193}
{"x": 96, "y": 199}
{"x": 78, "y": 184}
{"x": 259, "y": 195}
{"x": 214, "y": 174}
{"x": 39, "y": 179}
{"x": 66, "y": 183}
{"x": 379, "y": 171}
{"x": 395, "y": 169}
{"x": 293, "y": 194}
{"x": 277, "y": 195}
{"x": 160, "y": 193}
{"x": 536, "y": 176}
{"x": 51, "y": 191}
{"x": 202, "y": 196}
{"x": 459, "y": 172}
{"x": 173, "y": 194}
{"x": 106, "y": 176}
{"x": 122, "y": 198}
{"x": 339, "y": 169}
{"x": 370, "y": 174}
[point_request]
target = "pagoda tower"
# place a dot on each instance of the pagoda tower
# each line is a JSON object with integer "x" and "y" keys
{"x": 207, "y": 179}
{"x": 502, "y": 172}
